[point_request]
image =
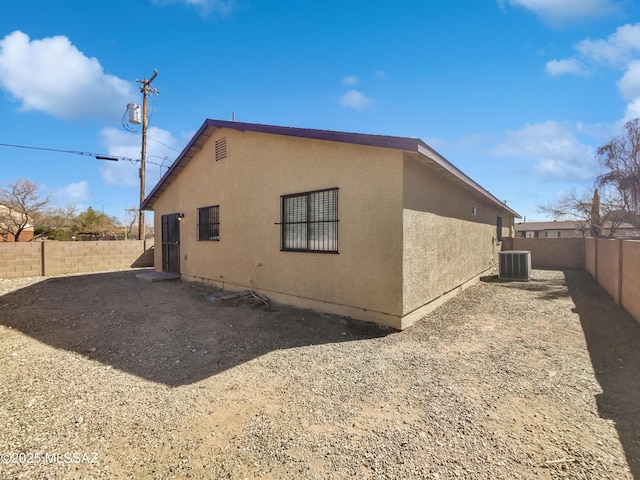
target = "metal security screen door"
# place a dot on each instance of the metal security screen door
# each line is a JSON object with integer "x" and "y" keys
{"x": 171, "y": 243}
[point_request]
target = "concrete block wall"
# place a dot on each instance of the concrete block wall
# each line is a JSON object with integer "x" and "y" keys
{"x": 19, "y": 260}
{"x": 561, "y": 253}
{"x": 590, "y": 255}
{"x": 608, "y": 266}
{"x": 630, "y": 288}
{"x": 613, "y": 262}
{"x": 60, "y": 258}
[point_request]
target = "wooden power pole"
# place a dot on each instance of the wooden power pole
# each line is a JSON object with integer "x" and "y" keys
{"x": 146, "y": 90}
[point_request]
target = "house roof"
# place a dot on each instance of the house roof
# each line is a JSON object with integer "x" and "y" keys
{"x": 554, "y": 225}
{"x": 383, "y": 141}
{"x": 561, "y": 225}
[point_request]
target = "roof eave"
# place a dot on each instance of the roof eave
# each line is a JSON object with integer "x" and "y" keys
{"x": 400, "y": 143}
{"x": 430, "y": 153}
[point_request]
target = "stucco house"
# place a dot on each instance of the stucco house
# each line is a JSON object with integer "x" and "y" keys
{"x": 571, "y": 229}
{"x": 9, "y": 220}
{"x": 377, "y": 228}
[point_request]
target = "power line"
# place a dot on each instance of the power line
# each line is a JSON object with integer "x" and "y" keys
{"x": 206, "y": 94}
{"x": 98, "y": 156}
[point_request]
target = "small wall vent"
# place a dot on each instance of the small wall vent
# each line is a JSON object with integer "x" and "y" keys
{"x": 515, "y": 264}
{"x": 221, "y": 148}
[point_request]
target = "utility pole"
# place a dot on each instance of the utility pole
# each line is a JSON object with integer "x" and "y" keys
{"x": 146, "y": 90}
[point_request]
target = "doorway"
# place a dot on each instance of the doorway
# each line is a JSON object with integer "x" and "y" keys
{"x": 171, "y": 243}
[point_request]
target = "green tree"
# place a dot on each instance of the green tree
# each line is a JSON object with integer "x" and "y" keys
{"x": 94, "y": 223}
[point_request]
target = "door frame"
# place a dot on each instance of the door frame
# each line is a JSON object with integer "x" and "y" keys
{"x": 170, "y": 224}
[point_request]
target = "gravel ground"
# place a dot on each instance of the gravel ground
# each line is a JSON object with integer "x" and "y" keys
{"x": 107, "y": 376}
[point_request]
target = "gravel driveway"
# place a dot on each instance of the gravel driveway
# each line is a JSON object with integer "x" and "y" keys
{"x": 107, "y": 376}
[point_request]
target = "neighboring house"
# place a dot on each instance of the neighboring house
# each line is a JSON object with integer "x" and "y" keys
{"x": 7, "y": 229}
{"x": 373, "y": 227}
{"x": 570, "y": 229}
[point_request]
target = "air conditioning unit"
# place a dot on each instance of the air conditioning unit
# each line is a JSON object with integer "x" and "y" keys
{"x": 515, "y": 264}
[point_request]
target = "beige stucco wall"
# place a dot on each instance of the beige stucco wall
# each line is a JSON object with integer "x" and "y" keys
{"x": 446, "y": 247}
{"x": 608, "y": 266}
{"x": 364, "y": 280}
{"x": 630, "y": 291}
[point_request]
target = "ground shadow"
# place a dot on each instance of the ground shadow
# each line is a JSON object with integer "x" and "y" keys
{"x": 613, "y": 341}
{"x": 546, "y": 289}
{"x": 166, "y": 332}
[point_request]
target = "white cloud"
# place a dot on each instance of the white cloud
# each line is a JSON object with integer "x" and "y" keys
{"x": 355, "y": 99}
{"x": 379, "y": 75}
{"x": 52, "y": 76}
{"x": 77, "y": 193}
{"x": 350, "y": 80}
{"x": 629, "y": 84}
{"x": 632, "y": 111}
{"x": 204, "y": 6}
{"x": 617, "y": 50}
{"x": 556, "y": 152}
{"x": 161, "y": 151}
{"x": 566, "y": 66}
{"x": 560, "y": 12}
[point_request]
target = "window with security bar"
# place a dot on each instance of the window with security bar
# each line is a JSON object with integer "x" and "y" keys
{"x": 310, "y": 222}
{"x": 209, "y": 223}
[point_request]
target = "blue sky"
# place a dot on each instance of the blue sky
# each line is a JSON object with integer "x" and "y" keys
{"x": 517, "y": 93}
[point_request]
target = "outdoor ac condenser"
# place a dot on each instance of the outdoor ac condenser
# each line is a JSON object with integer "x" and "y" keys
{"x": 515, "y": 264}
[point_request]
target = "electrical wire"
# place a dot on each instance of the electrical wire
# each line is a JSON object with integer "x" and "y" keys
{"x": 102, "y": 156}
{"x": 203, "y": 93}
{"x": 151, "y": 139}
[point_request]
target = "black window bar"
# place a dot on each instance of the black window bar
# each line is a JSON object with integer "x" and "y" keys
{"x": 209, "y": 223}
{"x": 310, "y": 222}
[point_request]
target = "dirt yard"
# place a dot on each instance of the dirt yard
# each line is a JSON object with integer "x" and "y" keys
{"x": 107, "y": 376}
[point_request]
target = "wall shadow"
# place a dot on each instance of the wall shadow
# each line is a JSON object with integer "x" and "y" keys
{"x": 145, "y": 259}
{"x": 165, "y": 332}
{"x": 613, "y": 341}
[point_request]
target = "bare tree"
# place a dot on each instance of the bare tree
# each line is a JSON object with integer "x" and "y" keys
{"x": 570, "y": 205}
{"x": 21, "y": 202}
{"x": 598, "y": 210}
{"x": 55, "y": 223}
{"x": 131, "y": 221}
{"x": 620, "y": 159}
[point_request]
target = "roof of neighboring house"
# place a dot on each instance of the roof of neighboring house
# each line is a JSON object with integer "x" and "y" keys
{"x": 561, "y": 225}
{"x": 399, "y": 143}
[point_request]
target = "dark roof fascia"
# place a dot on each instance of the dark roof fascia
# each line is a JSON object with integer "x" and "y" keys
{"x": 383, "y": 141}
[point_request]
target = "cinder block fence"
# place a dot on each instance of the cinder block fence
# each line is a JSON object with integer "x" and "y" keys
{"x": 50, "y": 258}
{"x": 613, "y": 262}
